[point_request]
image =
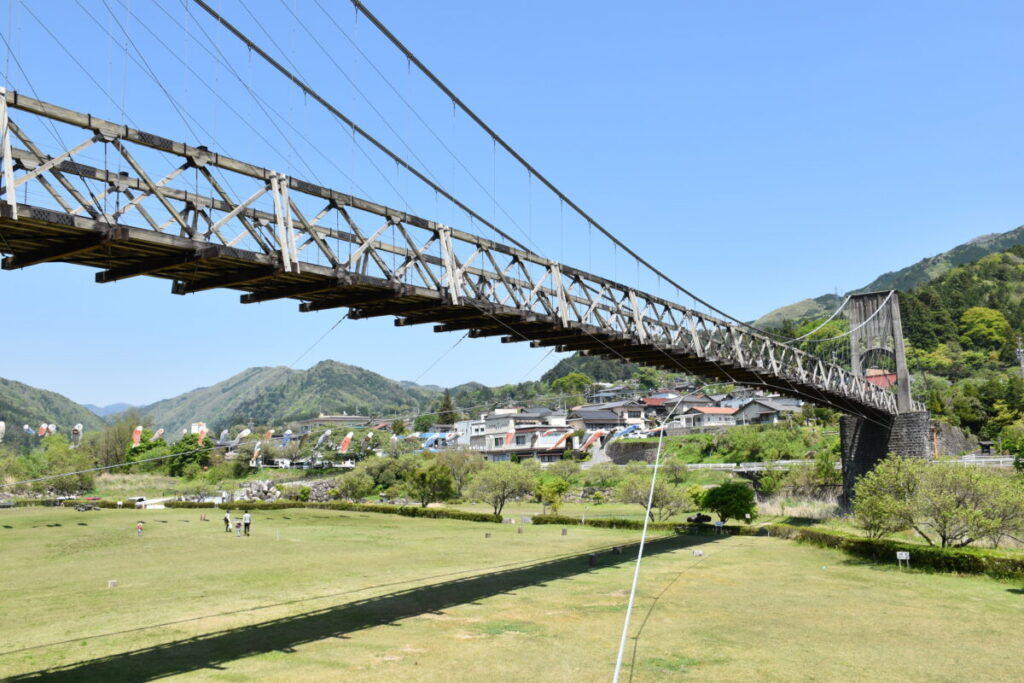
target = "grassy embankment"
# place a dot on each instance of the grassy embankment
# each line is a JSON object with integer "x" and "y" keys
{"x": 317, "y": 595}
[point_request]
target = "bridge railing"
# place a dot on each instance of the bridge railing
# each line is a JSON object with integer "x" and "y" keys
{"x": 316, "y": 239}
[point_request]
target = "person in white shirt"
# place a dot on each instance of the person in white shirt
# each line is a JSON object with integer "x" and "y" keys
{"x": 227, "y": 521}
{"x": 246, "y": 520}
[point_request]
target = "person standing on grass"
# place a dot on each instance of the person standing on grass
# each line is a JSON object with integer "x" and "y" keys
{"x": 227, "y": 521}
{"x": 238, "y": 528}
{"x": 246, "y": 520}
{"x": 138, "y": 529}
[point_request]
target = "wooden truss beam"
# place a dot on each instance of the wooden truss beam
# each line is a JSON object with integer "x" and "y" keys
{"x": 244, "y": 277}
{"x": 154, "y": 265}
{"x": 296, "y": 290}
{"x": 65, "y": 249}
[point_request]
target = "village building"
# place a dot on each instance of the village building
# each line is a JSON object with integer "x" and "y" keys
{"x": 333, "y": 421}
{"x": 703, "y": 417}
{"x": 760, "y": 411}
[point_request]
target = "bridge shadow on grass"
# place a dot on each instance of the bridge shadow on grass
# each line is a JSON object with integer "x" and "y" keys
{"x": 283, "y": 635}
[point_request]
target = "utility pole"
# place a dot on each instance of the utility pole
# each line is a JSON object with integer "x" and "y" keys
{"x": 1020, "y": 356}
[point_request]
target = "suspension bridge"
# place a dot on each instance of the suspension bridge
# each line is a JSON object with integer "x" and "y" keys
{"x": 204, "y": 220}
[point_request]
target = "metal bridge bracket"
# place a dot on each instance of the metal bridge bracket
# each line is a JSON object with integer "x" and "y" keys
{"x": 5, "y": 150}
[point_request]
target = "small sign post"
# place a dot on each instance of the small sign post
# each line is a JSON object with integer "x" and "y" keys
{"x": 903, "y": 556}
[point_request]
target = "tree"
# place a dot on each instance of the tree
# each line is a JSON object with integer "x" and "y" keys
{"x": 983, "y": 329}
{"x": 1006, "y": 510}
{"x": 883, "y": 498}
{"x": 462, "y": 465}
{"x": 551, "y": 491}
{"x": 731, "y": 500}
{"x": 958, "y": 505}
{"x": 398, "y": 427}
{"x": 647, "y": 378}
{"x": 499, "y": 482}
{"x": 573, "y": 387}
{"x": 447, "y": 415}
{"x": 674, "y": 470}
{"x": 422, "y": 423}
{"x": 189, "y": 451}
{"x": 58, "y": 458}
{"x": 636, "y": 488}
{"x": 112, "y": 445}
{"x": 354, "y": 485}
{"x": 566, "y": 469}
{"x": 947, "y": 505}
{"x": 431, "y": 482}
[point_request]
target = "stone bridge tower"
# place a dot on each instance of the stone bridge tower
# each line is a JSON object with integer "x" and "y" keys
{"x": 877, "y": 350}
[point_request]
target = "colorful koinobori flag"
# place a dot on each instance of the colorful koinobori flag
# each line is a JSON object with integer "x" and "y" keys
{"x": 345, "y": 443}
{"x": 561, "y": 439}
{"x": 593, "y": 437}
{"x": 136, "y": 436}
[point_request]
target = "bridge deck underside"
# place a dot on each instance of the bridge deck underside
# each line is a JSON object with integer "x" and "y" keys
{"x": 41, "y": 235}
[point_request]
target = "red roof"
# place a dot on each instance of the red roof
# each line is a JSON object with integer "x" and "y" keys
{"x": 881, "y": 379}
{"x": 713, "y": 411}
{"x": 654, "y": 402}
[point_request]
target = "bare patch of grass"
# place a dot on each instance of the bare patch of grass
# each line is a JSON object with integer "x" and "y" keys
{"x": 791, "y": 506}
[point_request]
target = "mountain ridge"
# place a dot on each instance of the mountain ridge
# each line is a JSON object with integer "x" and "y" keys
{"x": 904, "y": 279}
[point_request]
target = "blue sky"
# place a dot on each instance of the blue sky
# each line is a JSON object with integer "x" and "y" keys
{"x": 759, "y": 153}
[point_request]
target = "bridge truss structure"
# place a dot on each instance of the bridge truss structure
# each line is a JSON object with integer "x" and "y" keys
{"x": 204, "y": 220}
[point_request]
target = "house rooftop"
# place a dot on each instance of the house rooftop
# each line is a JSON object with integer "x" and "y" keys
{"x": 595, "y": 415}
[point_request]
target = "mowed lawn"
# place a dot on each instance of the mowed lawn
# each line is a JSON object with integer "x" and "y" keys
{"x": 321, "y": 595}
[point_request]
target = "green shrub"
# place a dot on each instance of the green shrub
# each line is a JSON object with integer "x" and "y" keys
{"x": 929, "y": 558}
{"x": 604, "y": 523}
{"x": 405, "y": 511}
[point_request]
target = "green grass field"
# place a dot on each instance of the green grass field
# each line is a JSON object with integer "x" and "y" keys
{"x": 322, "y": 595}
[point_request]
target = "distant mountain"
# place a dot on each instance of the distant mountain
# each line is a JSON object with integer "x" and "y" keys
{"x": 21, "y": 404}
{"x": 595, "y": 367}
{"x": 267, "y": 396}
{"x": 905, "y": 279}
{"x": 107, "y": 411}
{"x": 807, "y": 309}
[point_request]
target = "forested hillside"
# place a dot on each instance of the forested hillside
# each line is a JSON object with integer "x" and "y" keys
{"x": 904, "y": 279}
{"x": 969, "y": 318}
{"x": 278, "y": 395}
{"x": 962, "y": 330}
{"x": 21, "y": 404}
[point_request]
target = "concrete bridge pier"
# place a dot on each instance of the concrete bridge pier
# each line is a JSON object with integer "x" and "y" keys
{"x": 865, "y": 442}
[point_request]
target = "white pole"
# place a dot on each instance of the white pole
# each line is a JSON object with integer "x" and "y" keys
{"x": 639, "y": 556}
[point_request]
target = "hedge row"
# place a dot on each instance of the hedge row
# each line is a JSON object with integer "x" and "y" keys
{"x": 605, "y": 523}
{"x": 927, "y": 557}
{"x": 405, "y": 511}
{"x": 882, "y": 551}
{"x": 30, "y": 502}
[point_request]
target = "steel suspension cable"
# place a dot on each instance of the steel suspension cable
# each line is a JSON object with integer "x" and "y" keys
{"x": 529, "y": 167}
{"x": 249, "y": 43}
